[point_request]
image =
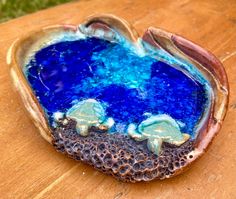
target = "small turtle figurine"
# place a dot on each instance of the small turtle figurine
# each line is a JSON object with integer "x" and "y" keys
{"x": 156, "y": 129}
{"x": 88, "y": 113}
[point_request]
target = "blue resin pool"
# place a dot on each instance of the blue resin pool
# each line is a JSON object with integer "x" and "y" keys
{"x": 129, "y": 86}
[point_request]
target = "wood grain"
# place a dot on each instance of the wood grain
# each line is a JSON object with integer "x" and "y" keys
{"x": 31, "y": 168}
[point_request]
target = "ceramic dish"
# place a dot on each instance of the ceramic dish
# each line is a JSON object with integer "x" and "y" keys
{"x": 138, "y": 108}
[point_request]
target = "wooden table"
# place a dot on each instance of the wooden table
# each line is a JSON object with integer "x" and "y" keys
{"x": 31, "y": 168}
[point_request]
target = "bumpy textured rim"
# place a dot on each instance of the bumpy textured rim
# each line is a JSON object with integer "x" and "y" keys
{"x": 173, "y": 44}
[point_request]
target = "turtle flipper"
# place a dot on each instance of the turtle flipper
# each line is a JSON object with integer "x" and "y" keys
{"x": 109, "y": 122}
{"x": 185, "y": 137}
{"x": 82, "y": 129}
{"x": 154, "y": 145}
{"x": 134, "y": 134}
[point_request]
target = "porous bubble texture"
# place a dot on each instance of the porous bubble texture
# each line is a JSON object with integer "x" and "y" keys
{"x": 118, "y": 155}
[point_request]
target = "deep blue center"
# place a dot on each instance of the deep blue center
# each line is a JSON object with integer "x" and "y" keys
{"x": 127, "y": 85}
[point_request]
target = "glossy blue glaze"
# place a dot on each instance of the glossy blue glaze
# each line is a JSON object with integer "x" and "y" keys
{"x": 129, "y": 86}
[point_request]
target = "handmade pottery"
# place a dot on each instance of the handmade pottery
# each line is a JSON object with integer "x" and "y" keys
{"x": 137, "y": 108}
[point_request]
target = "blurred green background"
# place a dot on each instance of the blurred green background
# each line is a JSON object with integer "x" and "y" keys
{"x": 10, "y": 9}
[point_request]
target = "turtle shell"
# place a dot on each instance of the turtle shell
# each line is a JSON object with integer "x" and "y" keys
{"x": 87, "y": 111}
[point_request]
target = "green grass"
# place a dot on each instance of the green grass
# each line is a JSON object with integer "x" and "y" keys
{"x": 14, "y": 8}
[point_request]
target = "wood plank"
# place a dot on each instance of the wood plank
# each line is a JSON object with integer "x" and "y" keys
{"x": 31, "y": 168}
